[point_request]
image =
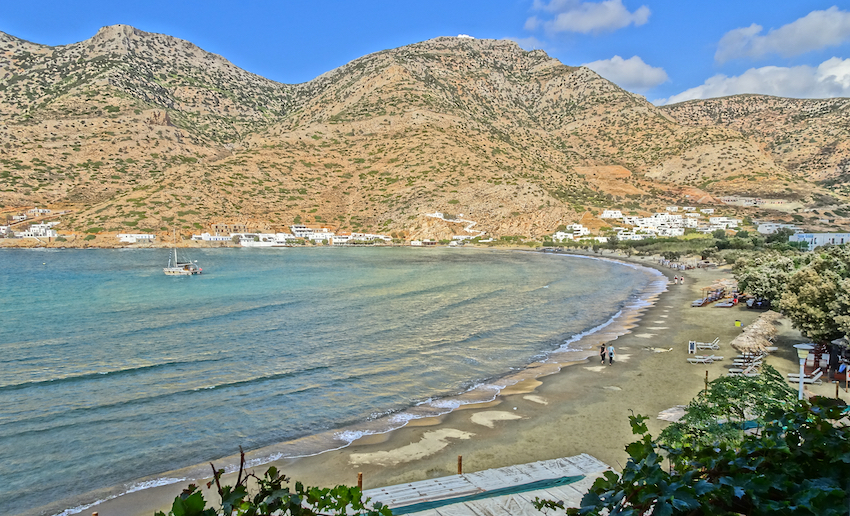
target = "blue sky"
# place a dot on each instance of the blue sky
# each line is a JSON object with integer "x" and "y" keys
{"x": 667, "y": 50}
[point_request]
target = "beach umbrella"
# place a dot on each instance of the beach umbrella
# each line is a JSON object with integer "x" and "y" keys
{"x": 750, "y": 344}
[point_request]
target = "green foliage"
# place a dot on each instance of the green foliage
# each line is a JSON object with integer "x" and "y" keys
{"x": 730, "y": 404}
{"x": 817, "y": 297}
{"x": 90, "y": 237}
{"x": 270, "y": 495}
{"x": 798, "y": 464}
{"x": 764, "y": 275}
{"x": 719, "y": 234}
{"x": 813, "y": 289}
{"x": 781, "y": 236}
{"x": 671, "y": 255}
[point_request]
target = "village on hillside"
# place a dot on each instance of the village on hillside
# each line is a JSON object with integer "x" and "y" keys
{"x": 676, "y": 221}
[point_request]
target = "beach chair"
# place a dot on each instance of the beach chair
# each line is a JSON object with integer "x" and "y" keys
{"x": 796, "y": 376}
{"x": 700, "y": 359}
{"x": 751, "y": 370}
{"x": 814, "y": 379}
{"x": 715, "y": 344}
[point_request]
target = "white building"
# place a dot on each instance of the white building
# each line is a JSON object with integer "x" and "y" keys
{"x": 611, "y": 214}
{"x": 39, "y": 231}
{"x": 689, "y": 208}
{"x": 5, "y": 230}
{"x": 672, "y": 209}
{"x": 19, "y": 218}
{"x": 819, "y": 239}
{"x": 316, "y": 234}
{"x": 571, "y": 232}
{"x": 38, "y": 211}
{"x": 707, "y": 211}
{"x": 206, "y": 237}
{"x": 132, "y": 238}
{"x": 724, "y": 222}
{"x": 768, "y": 228}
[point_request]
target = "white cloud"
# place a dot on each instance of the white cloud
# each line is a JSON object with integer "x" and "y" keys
{"x": 829, "y": 79}
{"x": 816, "y": 30}
{"x": 587, "y": 17}
{"x": 632, "y": 74}
{"x": 532, "y": 23}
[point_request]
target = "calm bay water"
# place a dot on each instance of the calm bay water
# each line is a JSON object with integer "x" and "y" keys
{"x": 111, "y": 371}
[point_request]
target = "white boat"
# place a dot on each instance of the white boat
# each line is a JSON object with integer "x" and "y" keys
{"x": 178, "y": 268}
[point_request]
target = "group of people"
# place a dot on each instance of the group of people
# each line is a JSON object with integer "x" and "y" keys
{"x": 678, "y": 280}
{"x": 603, "y": 352}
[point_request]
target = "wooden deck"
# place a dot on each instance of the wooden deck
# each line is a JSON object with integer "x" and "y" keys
{"x": 495, "y": 492}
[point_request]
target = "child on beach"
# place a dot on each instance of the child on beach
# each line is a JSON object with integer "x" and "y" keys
{"x": 610, "y": 355}
{"x": 602, "y": 353}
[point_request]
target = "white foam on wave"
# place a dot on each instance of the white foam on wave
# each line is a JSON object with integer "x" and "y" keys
{"x": 567, "y": 345}
{"x": 137, "y": 486}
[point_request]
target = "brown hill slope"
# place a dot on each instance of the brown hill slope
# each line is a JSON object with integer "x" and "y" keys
{"x": 808, "y": 137}
{"x": 145, "y": 131}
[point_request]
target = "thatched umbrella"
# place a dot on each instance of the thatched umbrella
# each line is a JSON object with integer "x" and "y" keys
{"x": 750, "y": 344}
{"x": 755, "y": 338}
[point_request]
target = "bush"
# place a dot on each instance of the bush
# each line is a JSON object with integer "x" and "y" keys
{"x": 796, "y": 464}
{"x": 270, "y": 496}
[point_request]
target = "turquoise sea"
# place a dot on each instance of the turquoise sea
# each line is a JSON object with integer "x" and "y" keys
{"x": 112, "y": 374}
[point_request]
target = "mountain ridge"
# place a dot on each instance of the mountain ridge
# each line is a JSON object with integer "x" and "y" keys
{"x": 146, "y": 131}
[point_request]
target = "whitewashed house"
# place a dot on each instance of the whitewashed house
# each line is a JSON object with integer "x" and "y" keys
{"x": 206, "y": 237}
{"x": 132, "y": 238}
{"x": 39, "y": 231}
{"x": 611, "y": 214}
{"x": 819, "y": 239}
{"x": 724, "y": 222}
{"x": 768, "y": 228}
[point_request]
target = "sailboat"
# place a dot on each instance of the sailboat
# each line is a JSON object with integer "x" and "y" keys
{"x": 177, "y": 268}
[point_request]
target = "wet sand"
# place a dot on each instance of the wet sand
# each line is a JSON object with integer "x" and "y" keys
{"x": 584, "y": 408}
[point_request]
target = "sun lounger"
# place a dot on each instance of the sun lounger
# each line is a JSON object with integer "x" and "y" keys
{"x": 751, "y": 370}
{"x": 796, "y": 376}
{"x": 814, "y": 379}
{"x": 725, "y": 304}
{"x": 702, "y": 359}
{"x": 715, "y": 344}
{"x": 707, "y": 345}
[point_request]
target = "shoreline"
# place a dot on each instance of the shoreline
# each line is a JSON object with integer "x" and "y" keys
{"x": 520, "y": 425}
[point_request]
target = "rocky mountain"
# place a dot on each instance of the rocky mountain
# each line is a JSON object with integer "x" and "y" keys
{"x": 132, "y": 130}
{"x": 808, "y": 138}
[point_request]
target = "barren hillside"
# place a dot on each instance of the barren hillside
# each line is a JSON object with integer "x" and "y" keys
{"x": 143, "y": 131}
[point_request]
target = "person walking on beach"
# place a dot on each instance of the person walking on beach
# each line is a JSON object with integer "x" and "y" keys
{"x": 675, "y": 280}
{"x": 602, "y": 353}
{"x": 610, "y": 355}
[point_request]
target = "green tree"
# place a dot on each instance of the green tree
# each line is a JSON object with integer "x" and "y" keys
{"x": 780, "y": 236}
{"x": 764, "y": 275}
{"x": 797, "y": 465}
{"x": 719, "y": 234}
{"x": 817, "y": 296}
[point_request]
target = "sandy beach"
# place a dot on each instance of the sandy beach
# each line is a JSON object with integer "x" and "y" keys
{"x": 583, "y": 408}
